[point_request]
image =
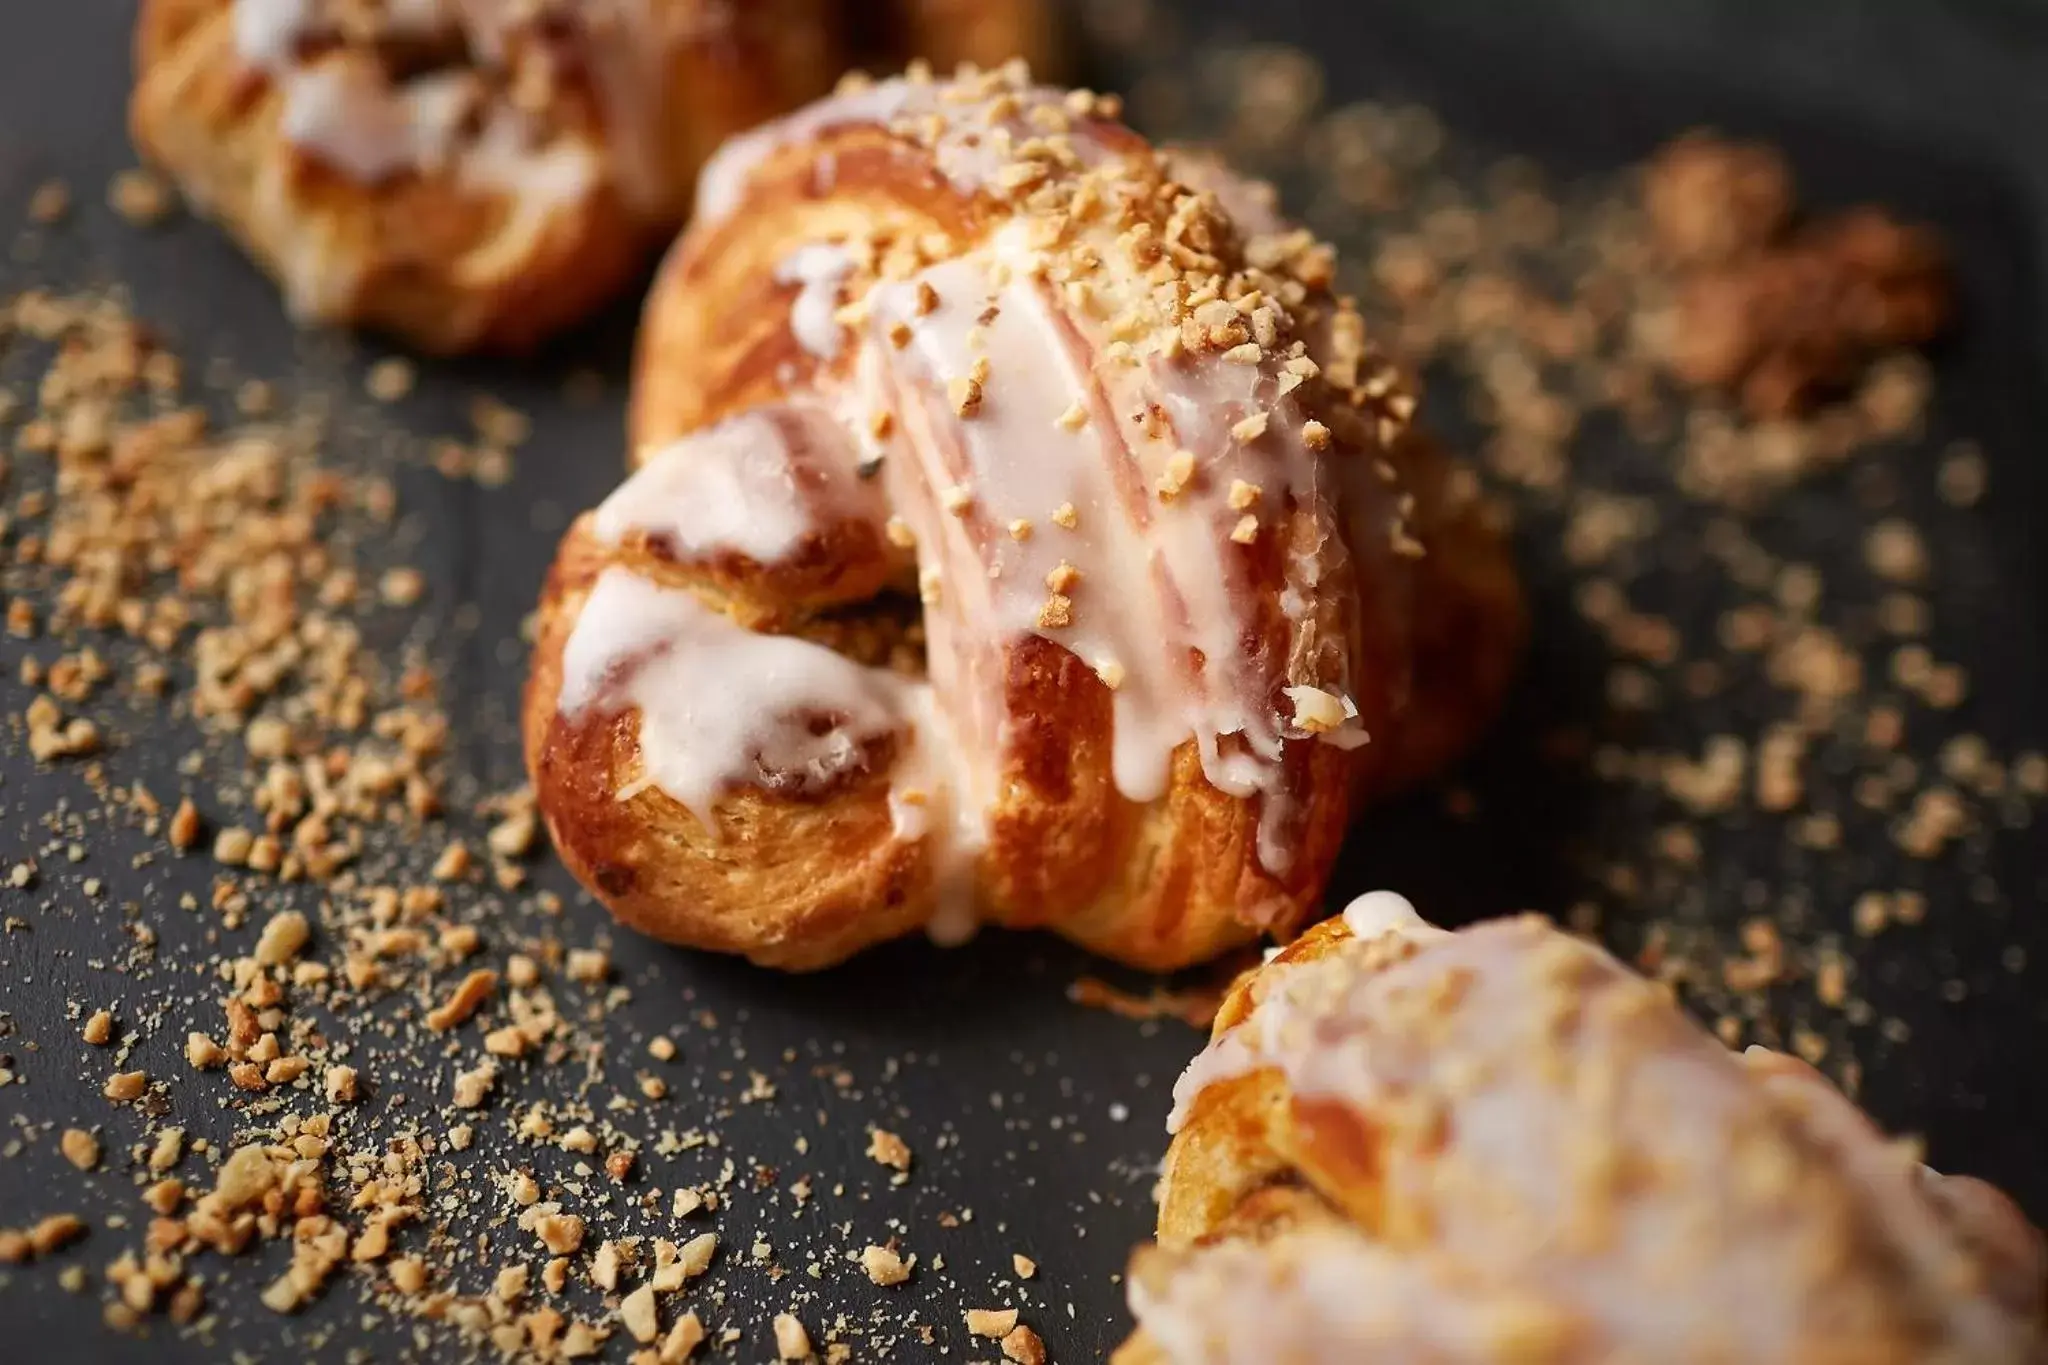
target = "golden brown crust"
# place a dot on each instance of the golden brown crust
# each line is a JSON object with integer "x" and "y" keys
{"x": 790, "y": 882}
{"x": 446, "y": 258}
{"x": 1470, "y": 620}
{"x": 1335, "y": 1120}
{"x": 1157, "y": 883}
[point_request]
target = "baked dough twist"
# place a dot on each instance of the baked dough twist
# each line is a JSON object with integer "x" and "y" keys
{"x": 1501, "y": 1147}
{"x": 476, "y": 174}
{"x": 976, "y": 340}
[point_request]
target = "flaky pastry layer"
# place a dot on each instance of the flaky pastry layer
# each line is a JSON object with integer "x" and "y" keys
{"x": 974, "y": 343}
{"x": 1500, "y": 1146}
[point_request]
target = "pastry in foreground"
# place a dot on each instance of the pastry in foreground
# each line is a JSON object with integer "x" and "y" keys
{"x": 1501, "y": 1147}
{"x": 477, "y": 174}
{"x": 1187, "y": 581}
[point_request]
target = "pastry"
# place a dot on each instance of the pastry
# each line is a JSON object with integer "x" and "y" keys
{"x": 974, "y": 343}
{"x": 983, "y": 33}
{"x": 1500, "y": 1145}
{"x": 477, "y": 174}
{"x": 467, "y": 174}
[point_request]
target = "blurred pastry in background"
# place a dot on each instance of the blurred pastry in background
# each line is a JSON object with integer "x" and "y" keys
{"x": 475, "y": 175}
{"x": 1780, "y": 313}
{"x": 1501, "y": 1146}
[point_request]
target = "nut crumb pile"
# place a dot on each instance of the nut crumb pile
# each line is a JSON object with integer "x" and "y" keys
{"x": 374, "y": 1059}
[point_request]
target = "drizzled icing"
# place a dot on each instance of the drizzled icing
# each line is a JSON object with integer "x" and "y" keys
{"x": 820, "y": 269}
{"x": 1156, "y": 586}
{"x": 1558, "y": 1150}
{"x": 756, "y": 484}
{"x": 355, "y": 118}
{"x": 1156, "y": 505}
{"x": 1330, "y": 1295}
{"x": 970, "y": 149}
{"x": 722, "y": 707}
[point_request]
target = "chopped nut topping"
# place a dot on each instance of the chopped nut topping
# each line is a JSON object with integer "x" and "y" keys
{"x": 888, "y": 1149}
{"x": 639, "y": 1316}
{"x": 1023, "y": 1346}
{"x": 991, "y": 1322}
{"x": 1316, "y": 710}
{"x": 284, "y": 935}
{"x": 125, "y": 1086}
{"x": 467, "y": 999}
{"x": 792, "y": 1342}
{"x": 80, "y": 1148}
{"x": 560, "y": 1233}
{"x": 965, "y": 396}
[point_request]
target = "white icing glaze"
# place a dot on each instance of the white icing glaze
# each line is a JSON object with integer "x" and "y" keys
{"x": 1330, "y": 1295}
{"x": 723, "y": 181}
{"x": 1551, "y": 1132}
{"x": 722, "y": 707}
{"x": 757, "y": 484}
{"x": 1160, "y": 585}
{"x": 344, "y": 113}
{"x": 1385, "y": 912}
{"x": 1223, "y": 1059}
{"x": 267, "y": 32}
{"x": 968, "y": 150}
{"x": 820, "y": 269}
{"x": 350, "y": 115}
{"x": 1162, "y": 600}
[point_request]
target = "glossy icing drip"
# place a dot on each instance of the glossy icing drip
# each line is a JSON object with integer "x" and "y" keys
{"x": 1559, "y": 1150}
{"x": 722, "y": 707}
{"x": 759, "y": 484}
{"x": 970, "y": 149}
{"x": 1155, "y": 506}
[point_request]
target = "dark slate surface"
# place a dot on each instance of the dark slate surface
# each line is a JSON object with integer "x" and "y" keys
{"x": 1014, "y": 1099}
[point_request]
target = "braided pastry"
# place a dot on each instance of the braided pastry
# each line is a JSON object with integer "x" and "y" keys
{"x": 1500, "y": 1146}
{"x": 974, "y": 341}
